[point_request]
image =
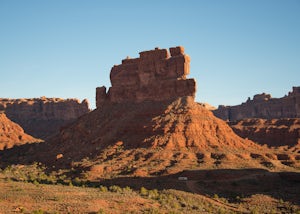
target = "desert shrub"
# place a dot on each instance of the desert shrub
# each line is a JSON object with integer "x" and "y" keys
{"x": 115, "y": 188}
{"x": 143, "y": 191}
{"x": 76, "y": 182}
{"x": 238, "y": 198}
{"x": 29, "y": 173}
{"x": 35, "y": 182}
{"x": 153, "y": 194}
{"x": 103, "y": 188}
{"x": 215, "y": 196}
{"x": 127, "y": 189}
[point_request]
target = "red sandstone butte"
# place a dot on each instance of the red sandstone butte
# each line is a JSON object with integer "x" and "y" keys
{"x": 156, "y": 75}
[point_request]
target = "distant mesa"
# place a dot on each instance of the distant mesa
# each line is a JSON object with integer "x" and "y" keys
{"x": 263, "y": 106}
{"x": 266, "y": 120}
{"x": 43, "y": 117}
{"x": 154, "y": 76}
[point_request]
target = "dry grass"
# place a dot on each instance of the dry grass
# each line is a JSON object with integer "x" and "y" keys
{"x": 207, "y": 192}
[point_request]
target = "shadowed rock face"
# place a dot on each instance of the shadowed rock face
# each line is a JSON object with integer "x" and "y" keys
{"x": 43, "y": 117}
{"x": 154, "y": 76}
{"x": 275, "y": 132}
{"x": 263, "y": 106}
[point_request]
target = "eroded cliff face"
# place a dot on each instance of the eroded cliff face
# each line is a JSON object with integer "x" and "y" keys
{"x": 12, "y": 134}
{"x": 263, "y": 106}
{"x": 43, "y": 117}
{"x": 154, "y": 76}
{"x": 273, "y": 132}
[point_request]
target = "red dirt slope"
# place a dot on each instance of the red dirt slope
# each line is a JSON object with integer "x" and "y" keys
{"x": 151, "y": 138}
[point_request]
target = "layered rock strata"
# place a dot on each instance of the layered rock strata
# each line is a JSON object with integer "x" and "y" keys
{"x": 274, "y": 132}
{"x": 43, "y": 117}
{"x": 156, "y": 75}
{"x": 263, "y": 106}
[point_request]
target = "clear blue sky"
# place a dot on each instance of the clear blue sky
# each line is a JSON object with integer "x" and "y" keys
{"x": 66, "y": 48}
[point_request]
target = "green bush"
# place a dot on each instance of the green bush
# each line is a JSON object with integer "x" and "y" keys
{"x": 115, "y": 188}
{"x": 153, "y": 194}
{"x": 103, "y": 188}
{"x": 144, "y": 191}
{"x": 76, "y": 182}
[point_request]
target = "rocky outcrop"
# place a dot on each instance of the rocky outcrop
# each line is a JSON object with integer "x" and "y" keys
{"x": 154, "y": 76}
{"x": 139, "y": 133}
{"x": 12, "y": 134}
{"x": 263, "y": 106}
{"x": 146, "y": 138}
{"x": 274, "y": 132}
{"x": 145, "y": 126}
{"x": 43, "y": 117}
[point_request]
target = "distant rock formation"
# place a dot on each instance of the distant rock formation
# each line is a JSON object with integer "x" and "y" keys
{"x": 263, "y": 106}
{"x": 274, "y": 132}
{"x": 136, "y": 132}
{"x": 148, "y": 124}
{"x": 12, "y": 134}
{"x": 43, "y": 117}
{"x": 154, "y": 76}
{"x": 208, "y": 106}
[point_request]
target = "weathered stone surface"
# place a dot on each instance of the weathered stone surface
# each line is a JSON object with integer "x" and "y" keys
{"x": 273, "y": 132}
{"x": 154, "y": 76}
{"x": 43, "y": 117}
{"x": 12, "y": 134}
{"x": 263, "y": 106}
{"x": 148, "y": 125}
{"x": 119, "y": 135}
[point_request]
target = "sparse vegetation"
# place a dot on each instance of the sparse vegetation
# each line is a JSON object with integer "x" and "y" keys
{"x": 20, "y": 181}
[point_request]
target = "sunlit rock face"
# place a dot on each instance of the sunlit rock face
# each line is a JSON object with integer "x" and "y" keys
{"x": 11, "y": 134}
{"x": 156, "y": 75}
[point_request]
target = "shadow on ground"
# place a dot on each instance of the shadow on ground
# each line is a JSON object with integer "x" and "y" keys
{"x": 226, "y": 183}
